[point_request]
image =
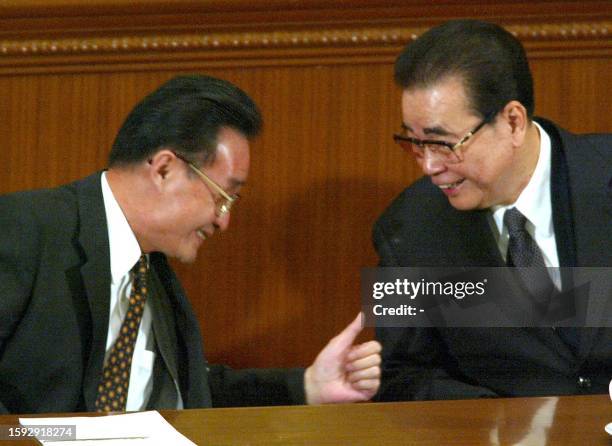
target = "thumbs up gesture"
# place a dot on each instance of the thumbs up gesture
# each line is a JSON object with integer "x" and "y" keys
{"x": 344, "y": 372}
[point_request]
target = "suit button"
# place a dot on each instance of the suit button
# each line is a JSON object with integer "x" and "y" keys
{"x": 584, "y": 382}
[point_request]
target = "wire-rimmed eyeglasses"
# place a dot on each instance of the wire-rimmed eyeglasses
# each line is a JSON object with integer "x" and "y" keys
{"x": 223, "y": 200}
{"x": 448, "y": 151}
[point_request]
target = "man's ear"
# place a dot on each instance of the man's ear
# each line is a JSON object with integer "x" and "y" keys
{"x": 161, "y": 166}
{"x": 515, "y": 115}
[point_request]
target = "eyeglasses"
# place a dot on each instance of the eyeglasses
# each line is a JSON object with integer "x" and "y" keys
{"x": 446, "y": 150}
{"x": 224, "y": 202}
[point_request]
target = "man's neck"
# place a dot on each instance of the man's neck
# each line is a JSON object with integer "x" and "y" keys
{"x": 532, "y": 147}
{"x": 526, "y": 161}
{"x": 130, "y": 192}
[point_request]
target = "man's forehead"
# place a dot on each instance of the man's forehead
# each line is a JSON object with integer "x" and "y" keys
{"x": 433, "y": 130}
{"x": 232, "y": 157}
{"x": 446, "y": 93}
{"x": 435, "y": 108}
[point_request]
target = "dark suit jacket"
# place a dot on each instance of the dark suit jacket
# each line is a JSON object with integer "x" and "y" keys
{"x": 55, "y": 287}
{"x": 420, "y": 228}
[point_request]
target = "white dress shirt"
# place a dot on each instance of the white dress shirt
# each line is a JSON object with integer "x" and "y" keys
{"x": 124, "y": 253}
{"x": 534, "y": 202}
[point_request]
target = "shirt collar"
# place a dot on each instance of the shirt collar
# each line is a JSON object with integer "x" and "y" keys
{"x": 124, "y": 248}
{"x": 534, "y": 200}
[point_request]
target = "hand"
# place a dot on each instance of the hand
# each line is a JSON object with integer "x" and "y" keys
{"x": 343, "y": 372}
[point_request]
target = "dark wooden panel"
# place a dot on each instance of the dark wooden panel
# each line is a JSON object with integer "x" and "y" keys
{"x": 574, "y": 91}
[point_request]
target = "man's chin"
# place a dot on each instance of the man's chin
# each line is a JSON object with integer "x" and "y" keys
{"x": 463, "y": 205}
{"x": 189, "y": 252}
{"x": 468, "y": 201}
{"x": 187, "y": 257}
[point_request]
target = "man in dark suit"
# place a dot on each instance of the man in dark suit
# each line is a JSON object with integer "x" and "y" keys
{"x": 467, "y": 107}
{"x": 82, "y": 328}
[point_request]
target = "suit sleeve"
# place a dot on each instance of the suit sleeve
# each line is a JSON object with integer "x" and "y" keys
{"x": 18, "y": 253}
{"x": 256, "y": 387}
{"x": 415, "y": 363}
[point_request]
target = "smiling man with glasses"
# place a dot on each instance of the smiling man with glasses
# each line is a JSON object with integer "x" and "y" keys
{"x": 93, "y": 316}
{"x": 501, "y": 188}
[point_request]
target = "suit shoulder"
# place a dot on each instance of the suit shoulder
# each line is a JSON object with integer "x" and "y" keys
{"x": 588, "y": 143}
{"x": 413, "y": 226}
{"x": 39, "y": 221}
{"x": 40, "y": 205}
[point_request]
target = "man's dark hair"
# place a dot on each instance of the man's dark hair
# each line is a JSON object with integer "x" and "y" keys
{"x": 186, "y": 114}
{"x": 489, "y": 60}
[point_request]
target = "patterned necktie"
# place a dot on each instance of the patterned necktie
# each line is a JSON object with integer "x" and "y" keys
{"x": 113, "y": 387}
{"x": 524, "y": 253}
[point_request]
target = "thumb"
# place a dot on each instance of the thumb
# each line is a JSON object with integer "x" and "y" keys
{"x": 347, "y": 336}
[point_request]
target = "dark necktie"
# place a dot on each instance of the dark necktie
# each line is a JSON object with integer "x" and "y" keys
{"x": 524, "y": 253}
{"x": 113, "y": 387}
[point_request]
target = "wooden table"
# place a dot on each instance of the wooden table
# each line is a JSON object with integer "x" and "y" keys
{"x": 576, "y": 420}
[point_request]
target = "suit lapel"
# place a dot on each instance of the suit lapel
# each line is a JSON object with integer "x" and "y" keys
{"x": 165, "y": 371}
{"x": 163, "y": 325}
{"x": 96, "y": 276}
{"x": 581, "y": 194}
{"x": 590, "y": 177}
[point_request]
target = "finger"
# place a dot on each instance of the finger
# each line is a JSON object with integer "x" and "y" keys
{"x": 369, "y": 385}
{"x": 363, "y": 363}
{"x": 347, "y": 336}
{"x": 369, "y": 373}
{"x": 363, "y": 350}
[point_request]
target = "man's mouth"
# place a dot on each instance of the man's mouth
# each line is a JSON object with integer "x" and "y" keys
{"x": 202, "y": 234}
{"x": 451, "y": 185}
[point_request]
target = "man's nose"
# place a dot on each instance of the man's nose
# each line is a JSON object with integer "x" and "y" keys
{"x": 431, "y": 162}
{"x": 222, "y": 222}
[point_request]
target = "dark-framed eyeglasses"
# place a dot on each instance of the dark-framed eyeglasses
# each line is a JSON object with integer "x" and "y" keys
{"x": 449, "y": 152}
{"x": 223, "y": 200}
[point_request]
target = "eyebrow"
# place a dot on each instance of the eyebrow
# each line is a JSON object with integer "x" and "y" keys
{"x": 440, "y": 131}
